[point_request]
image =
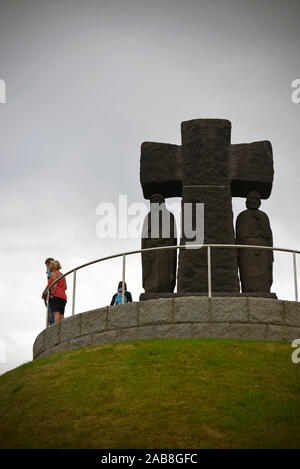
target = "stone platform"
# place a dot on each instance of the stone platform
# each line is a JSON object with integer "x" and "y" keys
{"x": 185, "y": 317}
{"x": 152, "y": 296}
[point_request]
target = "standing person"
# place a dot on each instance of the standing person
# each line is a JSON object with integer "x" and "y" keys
{"x": 44, "y": 294}
{"x": 58, "y": 297}
{"x": 117, "y": 299}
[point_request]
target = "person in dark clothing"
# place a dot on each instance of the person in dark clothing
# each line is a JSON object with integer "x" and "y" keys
{"x": 117, "y": 299}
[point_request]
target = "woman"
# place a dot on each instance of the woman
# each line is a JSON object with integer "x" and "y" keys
{"x": 58, "y": 297}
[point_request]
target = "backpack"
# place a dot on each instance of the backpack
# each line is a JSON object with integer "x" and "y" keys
{"x": 119, "y": 298}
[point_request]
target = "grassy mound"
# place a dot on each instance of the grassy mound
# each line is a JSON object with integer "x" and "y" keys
{"x": 179, "y": 393}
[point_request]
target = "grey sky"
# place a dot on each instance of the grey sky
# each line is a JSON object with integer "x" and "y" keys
{"x": 87, "y": 83}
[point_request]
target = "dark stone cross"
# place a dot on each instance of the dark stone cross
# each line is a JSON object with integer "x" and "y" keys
{"x": 206, "y": 168}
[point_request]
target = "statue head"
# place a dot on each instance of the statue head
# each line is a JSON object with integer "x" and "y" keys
{"x": 253, "y": 200}
{"x": 157, "y": 199}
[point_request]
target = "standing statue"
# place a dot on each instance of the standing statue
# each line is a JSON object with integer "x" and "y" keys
{"x": 255, "y": 266}
{"x": 159, "y": 229}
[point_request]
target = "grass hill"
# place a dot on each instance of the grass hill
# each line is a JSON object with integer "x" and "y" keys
{"x": 181, "y": 393}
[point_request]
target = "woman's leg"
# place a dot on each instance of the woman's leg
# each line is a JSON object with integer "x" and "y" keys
{"x": 56, "y": 315}
{"x": 62, "y": 311}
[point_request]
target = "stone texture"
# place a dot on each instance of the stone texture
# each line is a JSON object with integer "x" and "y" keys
{"x": 218, "y": 229}
{"x": 120, "y": 316}
{"x": 130, "y": 334}
{"x": 156, "y": 296}
{"x": 201, "y": 330}
{"x": 291, "y": 313}
{"x": 83, "y": 341}
{"x": 216, "y": 330}
{"x": 52, "y": 350}
{"x": 107, "y": 337}
{"x": 265, "y": 311}
{"x": 46, "y": 353}
{"x": 163, "y": 331}
{"x": 191, "y": 309}
{"x": 146, "y": 332}
{"x": 52, "y": 336}
{"x": 39, "y": 344}
{"x": 182, "y": 331}
{"x": 94, "y": 321}
{"x": 205, "y": 144}
{"x": 161, "y": 169}
{"x": 283, "y": 333}
{"x": 229, "y": 310}
{"x": 70, "y": 328}
{"x": 251, "y": 168}
{"x": 155, "y": 311}
{"x": 247, "y": 331}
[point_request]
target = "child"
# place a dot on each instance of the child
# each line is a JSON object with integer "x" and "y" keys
{"x": 117, "y": 299}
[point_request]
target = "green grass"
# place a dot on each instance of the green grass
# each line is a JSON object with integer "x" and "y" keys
{"x": 179, "y": 393}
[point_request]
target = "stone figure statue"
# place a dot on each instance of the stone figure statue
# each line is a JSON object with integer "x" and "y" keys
{"x": 255, "y": 266}
{"x": 159, "y": 229}
{"x": 206, "y": 168}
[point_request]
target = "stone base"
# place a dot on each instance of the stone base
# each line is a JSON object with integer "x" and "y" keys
{"x": 188, "y": 317}
{"x": 156, "y": 296}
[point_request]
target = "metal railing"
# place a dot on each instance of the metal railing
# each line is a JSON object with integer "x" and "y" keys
{"x": 209, "y": 247}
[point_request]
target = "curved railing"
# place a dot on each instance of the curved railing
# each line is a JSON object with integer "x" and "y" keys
{"x": 209, "y": 247}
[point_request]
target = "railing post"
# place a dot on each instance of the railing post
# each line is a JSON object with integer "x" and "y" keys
{"x": 74, "y": 292}
{"x": 123, "y": 279}
{"x": 295, "y": 276}
{"x": 47, "y": 310}
{"x": 209, "y": 271}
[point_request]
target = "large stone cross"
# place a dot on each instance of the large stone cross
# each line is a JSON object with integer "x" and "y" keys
{"x": 206, "y": 168}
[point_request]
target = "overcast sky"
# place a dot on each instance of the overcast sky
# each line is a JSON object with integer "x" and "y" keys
{"x": 87, "y": 82}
